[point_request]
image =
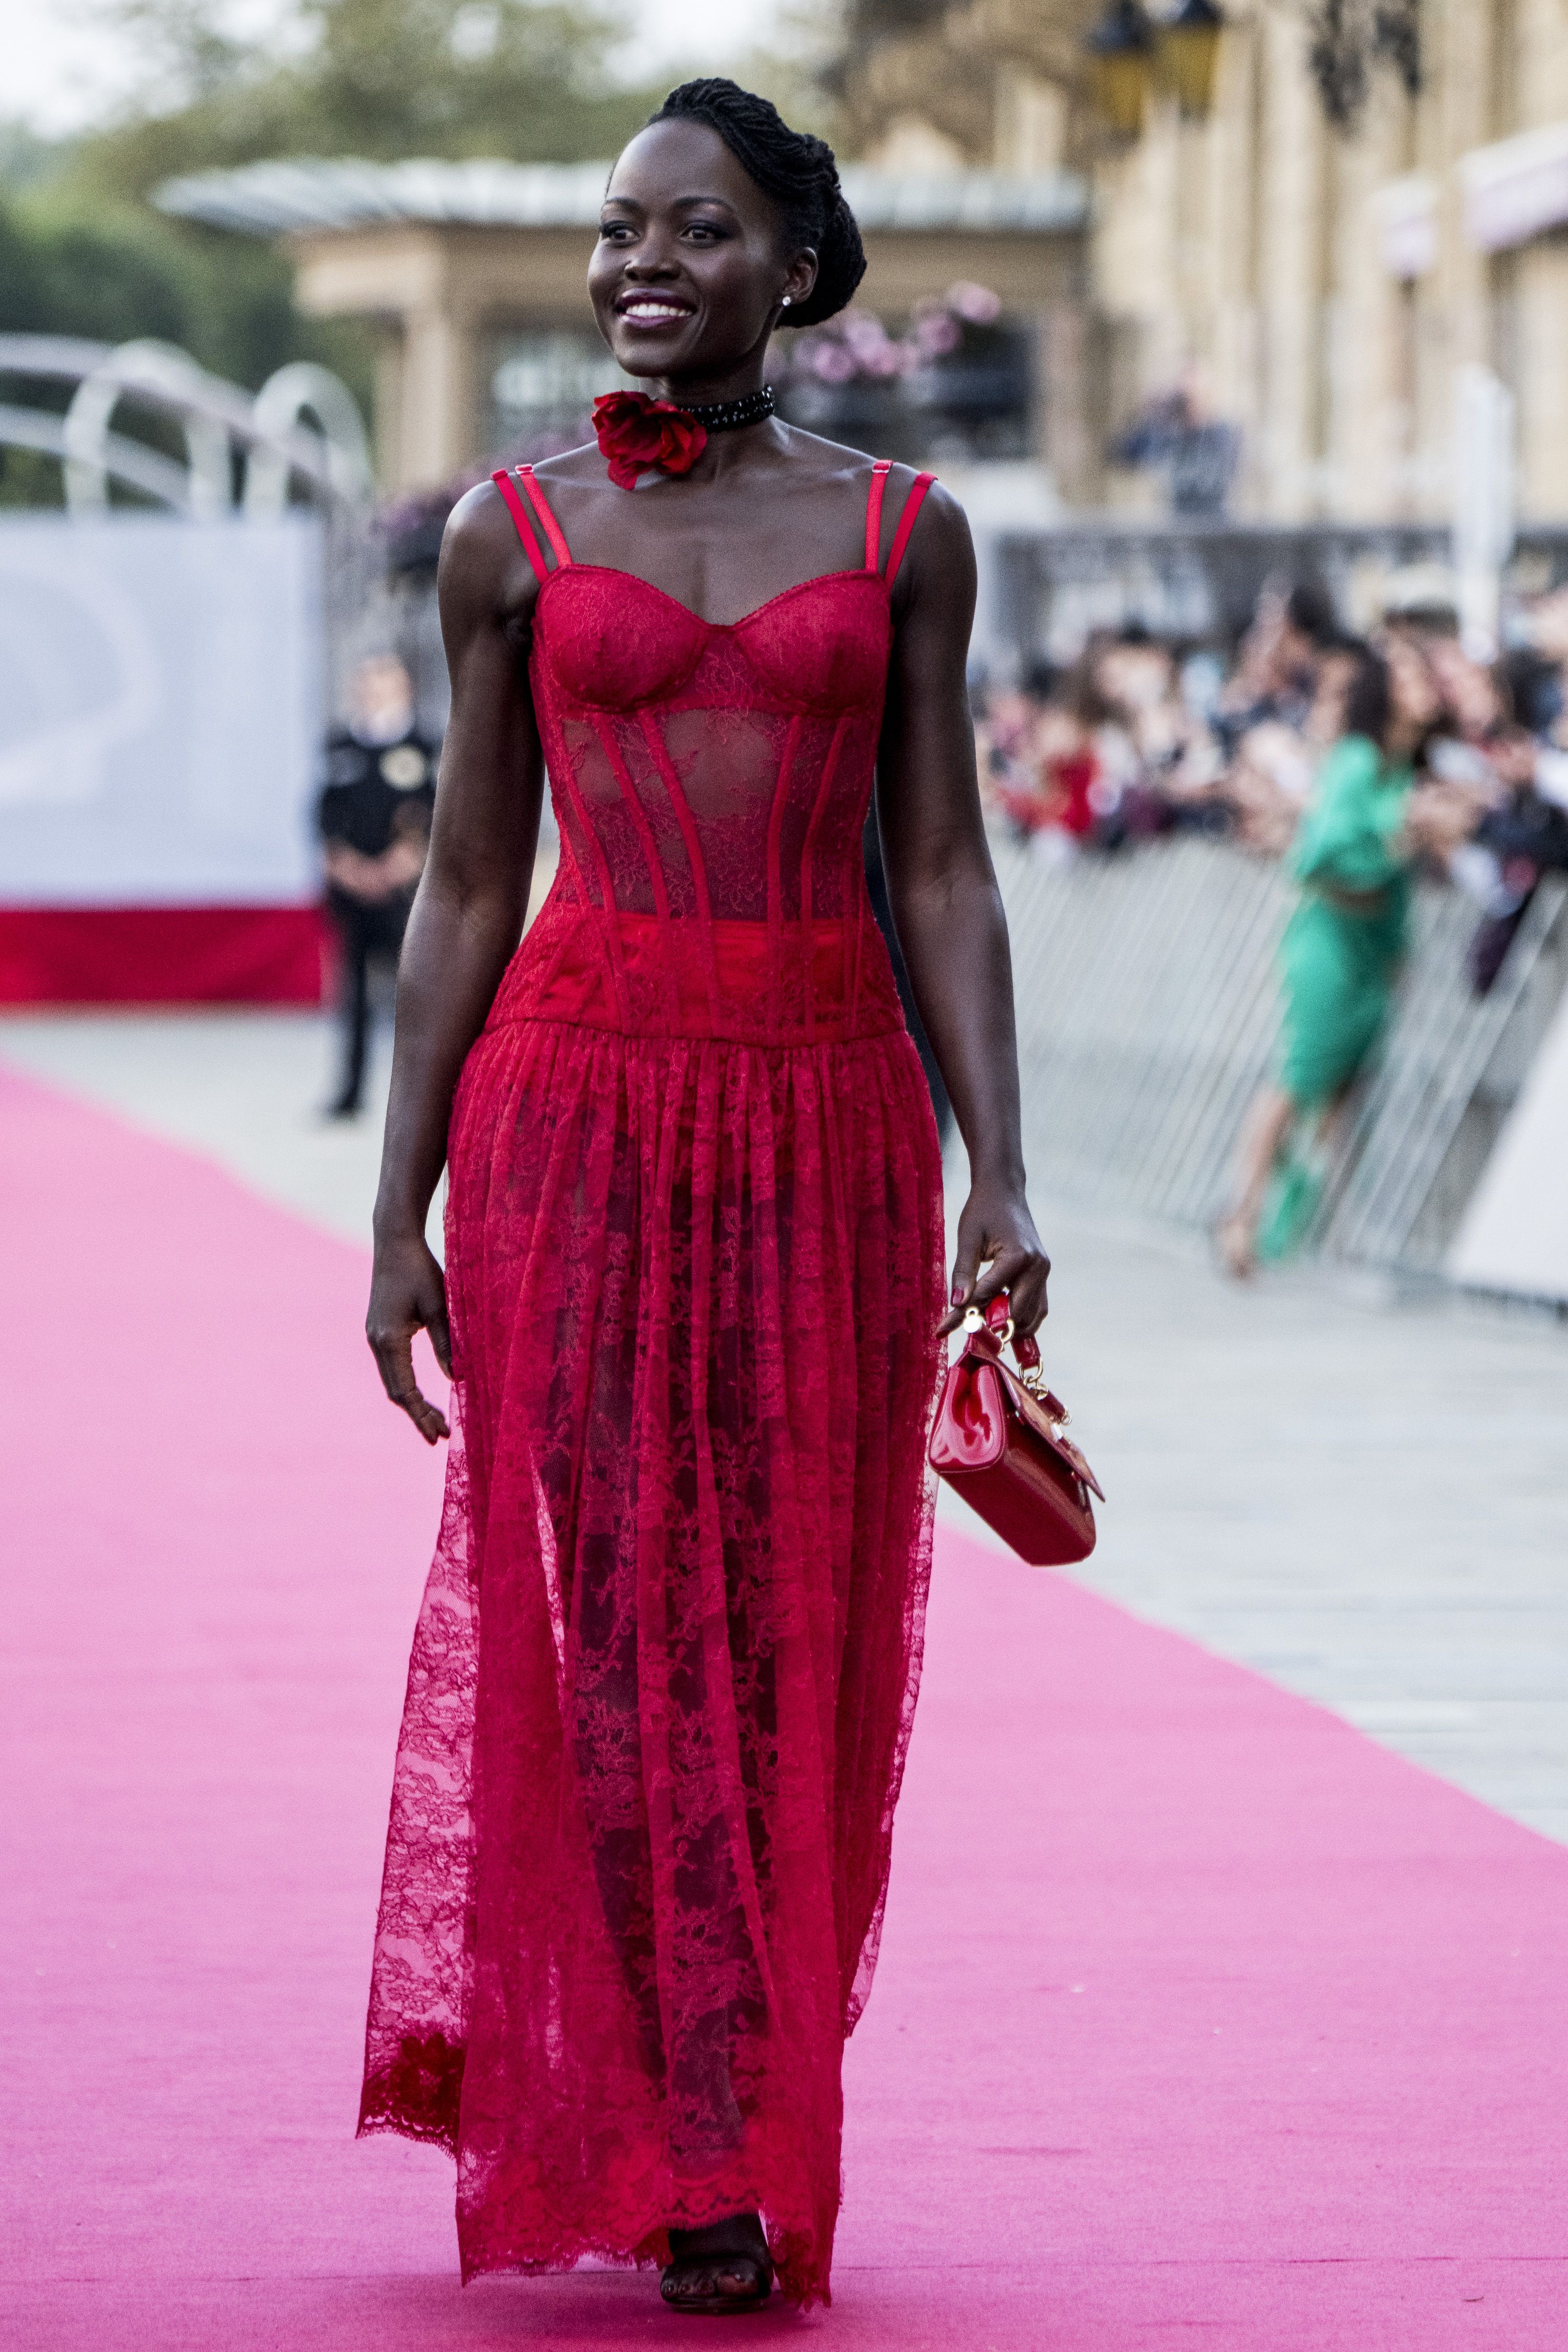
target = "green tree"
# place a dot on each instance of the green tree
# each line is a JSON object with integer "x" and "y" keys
{"x": 116, "y": 271}
{"x": 83, "y": 251}
{"x": 113, "y": 271}
{"x": 522, "y": 79}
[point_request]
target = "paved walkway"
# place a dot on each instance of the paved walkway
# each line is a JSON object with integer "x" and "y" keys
{"x": 1364, "y": 1500}
{"x": 1197, "y": 2011}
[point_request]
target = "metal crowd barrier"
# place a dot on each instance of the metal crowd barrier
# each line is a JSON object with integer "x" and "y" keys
{"x": 1148, "y": 1008}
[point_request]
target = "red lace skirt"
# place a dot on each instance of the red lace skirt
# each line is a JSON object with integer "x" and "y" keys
{"x": 664, "y": 1673}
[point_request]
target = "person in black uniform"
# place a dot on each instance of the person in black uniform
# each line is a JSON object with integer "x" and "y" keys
{"x": 374, "y": 818}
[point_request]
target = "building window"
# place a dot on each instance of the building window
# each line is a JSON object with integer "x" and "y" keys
{"x": 954, "y": 382}
{"x": 542, "y": 383}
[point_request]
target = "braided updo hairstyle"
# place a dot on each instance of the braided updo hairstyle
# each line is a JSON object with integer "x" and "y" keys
{"x": 797, "y": 171}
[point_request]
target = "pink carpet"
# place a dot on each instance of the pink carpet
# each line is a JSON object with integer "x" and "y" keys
{"x": 1199, "y": 2016}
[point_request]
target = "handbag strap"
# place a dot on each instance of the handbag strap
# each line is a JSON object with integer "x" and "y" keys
{"x": 997, "y": 1322}
{"x": 992, "y": 1328}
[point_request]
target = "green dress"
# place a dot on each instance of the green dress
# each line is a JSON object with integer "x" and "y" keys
{"x": 1345, "y": 942}
{"x": 1340, "y": 959}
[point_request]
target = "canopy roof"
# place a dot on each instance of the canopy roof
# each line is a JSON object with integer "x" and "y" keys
{"x": 311, "y": 194}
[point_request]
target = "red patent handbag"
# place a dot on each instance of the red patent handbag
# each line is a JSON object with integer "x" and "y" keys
{"x": 998, "y": 1441}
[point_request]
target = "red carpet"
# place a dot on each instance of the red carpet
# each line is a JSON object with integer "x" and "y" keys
{"x": 1200, "y": 2018}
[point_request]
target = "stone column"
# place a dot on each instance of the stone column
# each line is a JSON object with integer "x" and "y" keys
{"x": 1291, "y": 217}
{"x": 1455, "y": 308}
{"x": 438, "y": 425}
{"x": 1065, "y": 406}
{"x": 388, "y": 397}
{"x": 1542, "y": 450}
{"x": 1540, "y": 84}
{"x": 1368, "y": 435}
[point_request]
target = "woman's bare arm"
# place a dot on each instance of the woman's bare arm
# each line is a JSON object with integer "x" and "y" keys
{"x": 466, "y": 923}
{"x": 948, "y": 908}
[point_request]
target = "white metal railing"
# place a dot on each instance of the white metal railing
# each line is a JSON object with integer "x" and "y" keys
{"x": 1148, "y": 1007}
{"x": 270, "y": 431}
{"x": 244, "y": 456}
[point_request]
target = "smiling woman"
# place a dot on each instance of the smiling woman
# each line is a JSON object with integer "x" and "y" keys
{"x": 693, "y": 1305}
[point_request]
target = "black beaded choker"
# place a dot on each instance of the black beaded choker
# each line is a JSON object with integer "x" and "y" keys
{"x": 729, "y": 416}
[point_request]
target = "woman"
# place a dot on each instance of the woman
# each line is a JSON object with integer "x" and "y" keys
{"x": 662, "y": 1682}
{"x": 1353, "y": 854}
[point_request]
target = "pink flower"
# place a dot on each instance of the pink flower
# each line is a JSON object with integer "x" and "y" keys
{"x": 976, "y": 304}
{"x": 936, "y": 334}
{"x": 831, "y": 363}
{"x": 867, "y": 339}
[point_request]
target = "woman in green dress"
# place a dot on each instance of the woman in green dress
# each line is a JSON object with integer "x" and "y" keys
{"x": 1352, "y": 855}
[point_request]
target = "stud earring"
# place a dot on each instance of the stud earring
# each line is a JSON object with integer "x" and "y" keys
{"x": 787, "y": 300}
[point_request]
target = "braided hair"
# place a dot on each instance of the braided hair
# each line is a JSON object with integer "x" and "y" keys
{"x": 797, "y": 171}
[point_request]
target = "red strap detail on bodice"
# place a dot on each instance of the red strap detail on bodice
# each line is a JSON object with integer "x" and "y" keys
{"x": 525, "y": 530}
{"x": 879, "y": 472}
{"x": 913, "y": 506}
{"x": 531, "y": 546}
{"x": 557, "y": 538}
{"x": 540, "y": 505}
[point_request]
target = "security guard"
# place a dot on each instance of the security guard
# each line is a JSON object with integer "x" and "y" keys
{"x": 374, "y": 822}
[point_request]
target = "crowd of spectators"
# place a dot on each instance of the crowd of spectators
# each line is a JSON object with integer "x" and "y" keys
{"x": 1141, "y": 738}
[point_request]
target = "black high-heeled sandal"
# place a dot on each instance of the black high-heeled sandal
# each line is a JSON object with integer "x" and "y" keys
{"x": 733, "y": 2250}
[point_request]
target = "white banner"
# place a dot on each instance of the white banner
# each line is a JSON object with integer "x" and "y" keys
{"x": 1514, "y": 1235}
{"x": 161, "y": 711}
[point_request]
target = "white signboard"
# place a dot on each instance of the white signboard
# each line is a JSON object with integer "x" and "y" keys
{"x": 161, "y": 711}
{"x": 1514, "y": 1235}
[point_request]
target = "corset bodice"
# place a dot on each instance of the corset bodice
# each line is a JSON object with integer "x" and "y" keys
{"x": 711, "y": 783}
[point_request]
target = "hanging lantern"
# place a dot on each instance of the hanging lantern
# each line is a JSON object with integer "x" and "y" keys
{"x": 1189, "y": 52}
{"x": 1120, "y": 48}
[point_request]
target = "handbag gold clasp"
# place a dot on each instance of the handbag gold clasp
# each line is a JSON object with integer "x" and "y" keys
{"x": 1032, "y": 1377}
{"x": 974, "y": 1321}
{"x": 1034, "y": 1381}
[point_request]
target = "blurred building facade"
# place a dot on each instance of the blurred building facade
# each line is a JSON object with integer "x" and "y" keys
{"x": 472, "y": 276}
{"x": 1245, "y": 279}
{"x": 1362, "y": 203}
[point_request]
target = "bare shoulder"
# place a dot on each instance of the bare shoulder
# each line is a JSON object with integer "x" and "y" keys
{"x": 941, "y": 525}
{"x": 941, "y": 517}
{"x": 482, "y": 563}
{"x": 573, "y": 485}
{"x": 825, "y": 463}
{"x": 936, "y": 578}
{"x": 480, "y": 524}
{"x": 583, "y": 467}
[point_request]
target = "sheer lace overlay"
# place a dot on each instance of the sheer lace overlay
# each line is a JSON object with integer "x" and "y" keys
{"x": 665, "y": 1670}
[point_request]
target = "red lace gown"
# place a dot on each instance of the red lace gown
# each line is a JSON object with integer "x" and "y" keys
{"x": 663, "y": 1679}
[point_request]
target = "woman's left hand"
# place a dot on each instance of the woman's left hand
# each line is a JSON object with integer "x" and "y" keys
{"x": 1439, "y": 818}
{"x": 996, "y": 1232}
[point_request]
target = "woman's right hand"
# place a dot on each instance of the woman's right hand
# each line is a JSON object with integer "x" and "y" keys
{"x": 408, "y": 1293}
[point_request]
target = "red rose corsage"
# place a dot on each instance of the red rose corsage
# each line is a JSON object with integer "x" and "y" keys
{"x": 638, "y": 432}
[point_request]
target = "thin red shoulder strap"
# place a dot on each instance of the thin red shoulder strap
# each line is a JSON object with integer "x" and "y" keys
{"x": 531, "y": 546}
{"x": 525, "y": 530}
{"x": 913, "y": 506}
{"x": 540, "y": 505}
{"x": 874, "y": 513}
